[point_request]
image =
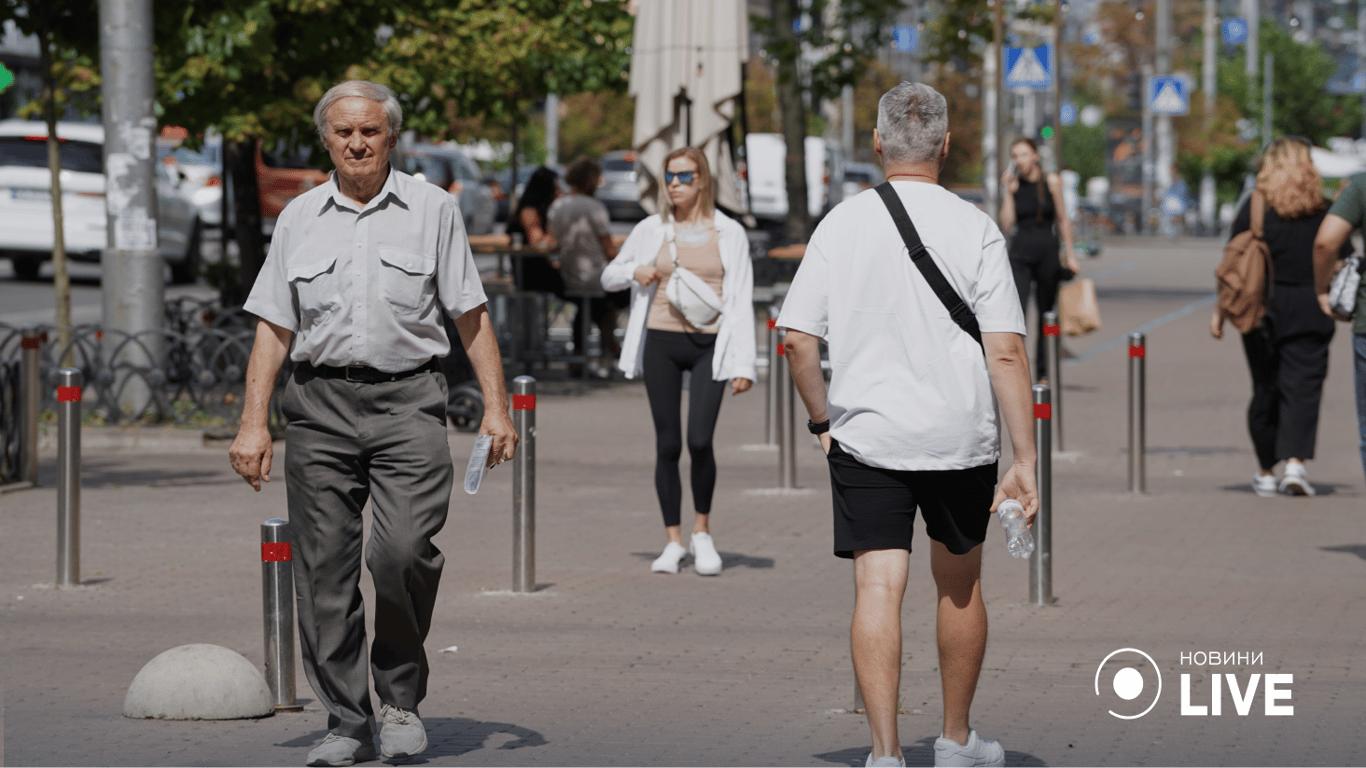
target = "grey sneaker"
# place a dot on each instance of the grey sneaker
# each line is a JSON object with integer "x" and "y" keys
{"x": 1294, "y": 482}
{"x": 977, "y": 751}
{"x": 340, "y": 750}
{"x": 402, "y": 734}
{"x": 887, "y": 761}
{"x": 1264, "y": 485}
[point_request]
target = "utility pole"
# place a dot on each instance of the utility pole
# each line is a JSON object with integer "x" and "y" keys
{"x": 1165, "y": 150}
{"x": 998, "y": 29}
{"x": 991, "y": 171}
{"x": 1145, "y": 206}
{"x": 552, "y": 130}
{"x": 1210, "y": 67}
{"x": 1267, "y": 77}
{"x": 133, "y": 282}
{"x": 1361, "y": 57}
{"x": 1055, "y": 143}
{"x": 1253, "y": 9}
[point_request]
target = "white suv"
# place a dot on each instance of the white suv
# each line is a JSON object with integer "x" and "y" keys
{"x": 26, "y": 201}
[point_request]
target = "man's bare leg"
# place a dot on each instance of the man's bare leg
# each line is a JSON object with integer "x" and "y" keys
{"x": 875, "y": 639}
{"x": 962, "y": 632}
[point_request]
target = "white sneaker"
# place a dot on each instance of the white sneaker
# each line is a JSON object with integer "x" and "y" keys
{"x": 340, "y": 750}
{"x": 977, "y": 751}
{"x": 402, "y": 733}
{"x": 1264, "y": 485}
{"x": 886, "y": 761}
{"x": 706, "y": 561}
{"x": 669, "y": 560}
{"x": 1294, "y": 482}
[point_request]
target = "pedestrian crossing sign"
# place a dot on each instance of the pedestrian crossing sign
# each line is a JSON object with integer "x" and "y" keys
{"x": 1167, "y": 96}
{"x": 6, "y": 78}
{"x": 1028, "y": 68}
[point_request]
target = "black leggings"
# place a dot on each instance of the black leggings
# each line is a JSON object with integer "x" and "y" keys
{"x": 667, "y": 355}
{"x": 1034, "y": 259}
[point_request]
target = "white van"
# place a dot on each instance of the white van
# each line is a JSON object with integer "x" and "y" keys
{"x": 765, "y": 166}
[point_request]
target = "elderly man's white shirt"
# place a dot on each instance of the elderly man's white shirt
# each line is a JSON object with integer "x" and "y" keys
{"x": 365, "y": 285}
{"x": 909, "y": 389}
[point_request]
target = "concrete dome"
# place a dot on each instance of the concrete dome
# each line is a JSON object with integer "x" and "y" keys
{"x": 198, "y": 682}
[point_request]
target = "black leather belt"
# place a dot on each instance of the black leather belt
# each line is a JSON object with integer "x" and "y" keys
{"x": 365, "y": 374}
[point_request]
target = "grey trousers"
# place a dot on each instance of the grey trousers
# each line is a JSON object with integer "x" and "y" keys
{"x": 348, "y": 443}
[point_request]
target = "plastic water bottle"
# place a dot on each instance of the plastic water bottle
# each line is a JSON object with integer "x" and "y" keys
{"x": 1019, "y": 541}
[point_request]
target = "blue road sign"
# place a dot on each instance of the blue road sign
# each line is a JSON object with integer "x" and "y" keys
{"x": 1235, "y": 31}
{"x": 905, "y": 38}
{"x": 1168, "y": 96}
{"x": 1067, "y": 113}
{"x": 1028, "y": 68}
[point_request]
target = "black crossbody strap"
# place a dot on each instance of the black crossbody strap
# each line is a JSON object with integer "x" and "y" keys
{"x": 958, "y": 309}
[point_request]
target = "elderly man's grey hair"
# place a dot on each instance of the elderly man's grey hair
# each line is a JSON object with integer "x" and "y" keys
{"x": 912, "y": 120}
{"x": 366, "y": 90}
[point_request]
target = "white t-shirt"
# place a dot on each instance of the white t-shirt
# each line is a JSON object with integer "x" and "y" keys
{"x": 909, "y": 389}
{"x": 579, "y": 222}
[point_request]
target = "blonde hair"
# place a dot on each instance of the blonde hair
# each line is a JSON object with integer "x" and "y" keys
{"x": 708, "y": 197}
{"x": 1287, "y": 177}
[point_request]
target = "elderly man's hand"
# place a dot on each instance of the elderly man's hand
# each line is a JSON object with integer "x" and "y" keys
{"x": 251, "y": 453}
{"x": 499, "y": 426}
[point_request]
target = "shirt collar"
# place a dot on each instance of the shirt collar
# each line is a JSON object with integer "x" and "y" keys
{"x": 394, "y": 190}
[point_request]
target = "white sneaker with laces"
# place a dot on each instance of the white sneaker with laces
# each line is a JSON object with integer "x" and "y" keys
{"x": 706, "y": 560}
{"x": 977, "y": 751}
{"x": 669, "y": 560}
{"x": 1294, "y": 482}
{"x": 1264, "y": 485}
{"x": 340, "y": 750}
{"x": 886, "y": 761}
{"x": 402, "y": 733}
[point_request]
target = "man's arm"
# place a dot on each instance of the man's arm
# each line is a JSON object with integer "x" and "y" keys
{"x": 477, "y": 336}
{"x": 803, "y": 352}
{"x": 1333, "y": 233}
{"x": 252, "y": 451}
{"x": 1008, "y": 364}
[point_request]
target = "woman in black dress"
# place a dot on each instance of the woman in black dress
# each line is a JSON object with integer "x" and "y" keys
{"x": 539, "y": 273}
{"x": 1031, "y": 205}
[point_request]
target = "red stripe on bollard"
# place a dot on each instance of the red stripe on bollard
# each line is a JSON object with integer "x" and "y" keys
{"x": 276, "y": 552}
{"x": 68, "y": 394}
{"x": 36, "y": 342}
{"x": 523, "y": 402}
{"x": 1043, "y": 411}
{"x": 1052, "y": 330}
{"x": 1137, "y": 351}
{"x": 772, "y": 324}
{"x": 782, "y": 350}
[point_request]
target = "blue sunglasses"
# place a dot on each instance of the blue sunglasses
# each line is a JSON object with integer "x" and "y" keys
{"x": 684, "y": 177}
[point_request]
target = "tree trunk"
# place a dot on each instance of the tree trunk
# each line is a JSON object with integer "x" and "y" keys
{"x": 797, "y": 225}
{"x": 239, "y": 164}
{"x": 61, "y": 281}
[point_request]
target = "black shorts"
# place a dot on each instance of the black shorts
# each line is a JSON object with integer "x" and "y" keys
{"x": 875, "y": 508}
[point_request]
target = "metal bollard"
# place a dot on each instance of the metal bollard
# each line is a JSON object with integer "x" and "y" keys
{"x": 68, "y": 477}
{"x": 1138, "y": 444}
{"x": 1053, "y": 348}
{"x": 771, "y": 393}
{"x": 31, "y": 392}
{"x": 787, "y": 435}
{"x": 524, "y": 485}
{"x": 277, "y": 597}
{"x": 1041, "y": 563}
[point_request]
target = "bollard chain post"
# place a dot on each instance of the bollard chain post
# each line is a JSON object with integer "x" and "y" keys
{"x": 1138, "y": 443}
{"x": 524, "y": 485}
{"x": 771, "y": 391}
{"x": 1041, "y": 563}
{"x": 69, "y": 477}
{"x": 1053, "y": 347}
{"x": 31, "y": 394}
{"x": 277, "y": 599}
{"x": 787, "y": 434}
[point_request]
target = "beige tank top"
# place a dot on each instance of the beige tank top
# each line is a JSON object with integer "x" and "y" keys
{"x": 700, "y": 251}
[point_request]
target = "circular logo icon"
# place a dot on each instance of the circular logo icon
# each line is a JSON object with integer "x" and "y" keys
{"x": 1129, "y": 674}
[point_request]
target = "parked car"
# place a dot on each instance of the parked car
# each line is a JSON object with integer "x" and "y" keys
{"x": 456, "y": 173}
{"x": 26, "y": 201}
{"x": 861, "y": 176}
{"x": 201, "y": 176}
{"x": 766, "y": 174}
{"x": 282, "y": 176}
{"x": 619, "y": 189}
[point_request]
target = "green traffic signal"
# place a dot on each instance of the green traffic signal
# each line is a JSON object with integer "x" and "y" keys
{"x": 1047, "y": 132}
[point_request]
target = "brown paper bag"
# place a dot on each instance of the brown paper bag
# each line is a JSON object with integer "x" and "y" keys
{"x": 1078, "y": 312}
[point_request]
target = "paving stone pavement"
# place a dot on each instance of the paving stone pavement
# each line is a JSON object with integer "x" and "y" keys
{"x": 607, "y": 664}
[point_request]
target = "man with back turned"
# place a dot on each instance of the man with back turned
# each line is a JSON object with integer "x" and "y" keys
{"x": 360, "y": 270}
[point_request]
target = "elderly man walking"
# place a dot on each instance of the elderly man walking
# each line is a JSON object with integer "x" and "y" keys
{"x": 359, "y": 270}
{"x": 919, "y": 337}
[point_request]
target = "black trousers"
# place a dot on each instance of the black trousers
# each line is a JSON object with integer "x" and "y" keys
{"x": 667, "y": 356}
{"x": 1034, "y": 260}
{"x": 1288, "y": 359}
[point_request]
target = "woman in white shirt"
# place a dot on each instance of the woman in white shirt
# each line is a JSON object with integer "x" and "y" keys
{"x": 660, "y": 343}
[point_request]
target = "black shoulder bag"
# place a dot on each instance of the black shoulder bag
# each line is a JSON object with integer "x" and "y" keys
{"x": 958, "y": 309}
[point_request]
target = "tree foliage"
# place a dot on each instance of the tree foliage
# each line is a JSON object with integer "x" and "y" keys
{"x": 839, "y": 44}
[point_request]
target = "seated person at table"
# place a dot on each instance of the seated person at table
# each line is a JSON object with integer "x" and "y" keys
{"x": 538, "y": 272}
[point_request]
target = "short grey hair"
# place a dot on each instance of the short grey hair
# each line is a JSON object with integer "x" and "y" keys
{"x": 912, "y": 120}
{"x": 365, "y": 90}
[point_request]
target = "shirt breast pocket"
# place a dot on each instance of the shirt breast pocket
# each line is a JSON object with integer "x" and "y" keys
{"x": 315, "y": 290}
{"x": 406, "y": 279}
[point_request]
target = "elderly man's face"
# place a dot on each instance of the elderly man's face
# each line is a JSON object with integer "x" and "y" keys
{"x": 358, "y": 137}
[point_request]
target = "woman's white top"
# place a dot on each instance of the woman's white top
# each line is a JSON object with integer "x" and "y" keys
{"x": 735, "y": 346}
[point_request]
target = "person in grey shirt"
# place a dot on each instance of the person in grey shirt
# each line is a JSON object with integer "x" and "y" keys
{"x": 359, "y": 270}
